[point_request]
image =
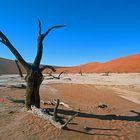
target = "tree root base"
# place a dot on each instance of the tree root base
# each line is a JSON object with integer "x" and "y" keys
{"x": 54, "y": 119}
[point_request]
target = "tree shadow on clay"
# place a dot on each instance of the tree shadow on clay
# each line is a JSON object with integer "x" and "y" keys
{"x": 102, "y": 117}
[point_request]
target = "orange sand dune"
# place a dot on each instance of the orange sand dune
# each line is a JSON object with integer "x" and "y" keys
{"x": 124, "y": 64}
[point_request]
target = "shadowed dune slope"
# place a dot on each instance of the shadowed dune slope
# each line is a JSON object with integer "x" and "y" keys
{"x": 9, "y": 67}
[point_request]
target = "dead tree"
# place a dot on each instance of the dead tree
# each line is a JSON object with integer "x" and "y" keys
{"x": 54, "y": 119}
{"x": 57, "y": 77}
{"x": 34, "y": 75}
{"x": 19, "y": 69}
{"x": 80, "y": 72}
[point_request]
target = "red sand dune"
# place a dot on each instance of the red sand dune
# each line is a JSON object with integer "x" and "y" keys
{"x": 124, "y": 65}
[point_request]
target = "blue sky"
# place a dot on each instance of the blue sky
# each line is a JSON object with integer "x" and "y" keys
{"x": 97, "y": 30}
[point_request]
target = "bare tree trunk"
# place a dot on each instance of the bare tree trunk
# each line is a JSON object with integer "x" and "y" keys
{"x": 34, "y": 80}
{"x": 19, "y": 69}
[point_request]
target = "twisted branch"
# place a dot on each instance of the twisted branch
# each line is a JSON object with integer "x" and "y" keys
{"x": 68, "y": 121}
{"x": 55, "y": 109}
{"x": 39, "y": 25}
{"x": 40, "y": 42}
{"x": 47, "y": 32}
{"x": 47, "y": 66}
{"x": 58, "y": 77}
{"x": 6, "y": 42}
{"x": 19, "y": 69}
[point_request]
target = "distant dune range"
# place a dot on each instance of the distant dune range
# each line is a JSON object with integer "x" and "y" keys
{"x": 125, "y": 64}
{"x": 121, "y": 65}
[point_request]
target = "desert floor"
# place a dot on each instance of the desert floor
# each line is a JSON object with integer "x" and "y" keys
{"x": 120, "y": 120}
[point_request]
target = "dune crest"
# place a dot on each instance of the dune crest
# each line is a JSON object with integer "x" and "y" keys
{"x": 127, "y": 64}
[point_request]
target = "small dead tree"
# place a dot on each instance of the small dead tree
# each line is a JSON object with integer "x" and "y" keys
{"x": 19, "y": 69}
{"x": 80, "y": 72}
{"x": 106, "y": 74}
{"x": 57, "y": 77}
{"x": 34, "y": 75}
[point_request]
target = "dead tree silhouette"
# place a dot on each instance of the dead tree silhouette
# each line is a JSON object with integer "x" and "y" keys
{"x": 34, "y": 75}
{"x": 57, "y": 77}
{"x": 19, "y": 69}
{"x": 80, "y": 72}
